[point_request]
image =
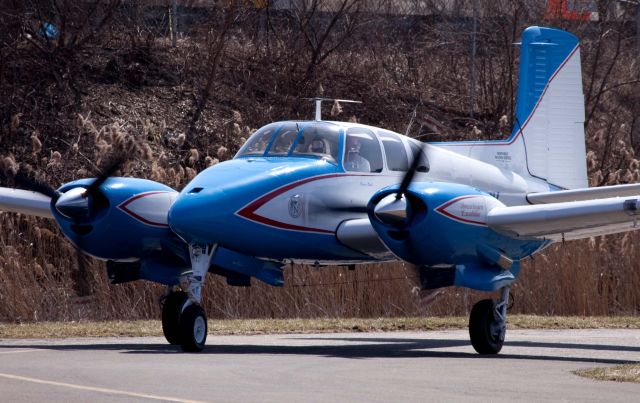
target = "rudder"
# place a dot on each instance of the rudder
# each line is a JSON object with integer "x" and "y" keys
{"x": 550, "y": 107}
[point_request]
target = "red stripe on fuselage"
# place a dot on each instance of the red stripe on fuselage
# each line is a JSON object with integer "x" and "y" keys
{"x": 249, "y": 211}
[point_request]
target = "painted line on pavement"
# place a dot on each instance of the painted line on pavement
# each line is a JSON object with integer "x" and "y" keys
{"x": 29, "y": 350}
{"x": 97, "y": 389}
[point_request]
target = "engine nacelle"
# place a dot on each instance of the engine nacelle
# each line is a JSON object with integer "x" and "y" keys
{"x": 445, "y": 226}
{"x": 126, "y": 218}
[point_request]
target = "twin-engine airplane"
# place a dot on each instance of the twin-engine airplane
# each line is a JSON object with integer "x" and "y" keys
{"x": 337, "y": 193}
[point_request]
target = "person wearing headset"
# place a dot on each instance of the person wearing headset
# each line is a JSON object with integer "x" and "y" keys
{"x": 353, "y": 160}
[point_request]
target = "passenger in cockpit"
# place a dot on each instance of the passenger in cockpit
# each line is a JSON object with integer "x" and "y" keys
{"x": 354, "y": 161}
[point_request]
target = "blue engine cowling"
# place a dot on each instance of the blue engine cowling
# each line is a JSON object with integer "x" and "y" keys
{"x": 446, "y": 227}
{"x": 127, "y": 219}
{"x": 126, "y": 222}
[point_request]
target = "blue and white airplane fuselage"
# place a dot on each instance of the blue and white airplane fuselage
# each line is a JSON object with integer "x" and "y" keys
{"x": 291, "y": 208}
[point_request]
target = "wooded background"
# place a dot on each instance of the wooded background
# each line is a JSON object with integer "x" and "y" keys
{"x": 180, "y": 85}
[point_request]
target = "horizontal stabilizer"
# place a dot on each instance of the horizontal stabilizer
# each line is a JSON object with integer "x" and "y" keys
{"x": 25, "y": 202}
{"x": 602, "y": 192}
{"x": 568, "y": 220}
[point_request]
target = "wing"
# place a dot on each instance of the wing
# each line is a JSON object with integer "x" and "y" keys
{"x": 25, "y": 202}
{"x": 567, "y": 220}
{"x": 601, "y": 192}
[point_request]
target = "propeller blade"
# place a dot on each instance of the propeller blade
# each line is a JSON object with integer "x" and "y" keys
{"x": 348, "y": 209}
{"x": 106, "y": 173}
{"x": 28, "y": 181}
{"x": 408, "y": 177}
{"x": 81, "y": 278}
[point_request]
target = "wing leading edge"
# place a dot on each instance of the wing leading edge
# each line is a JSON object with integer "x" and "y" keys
{"x": 601, "y": 192}
{"x": 567, "y": 220}
{"x": 25, "y": 202}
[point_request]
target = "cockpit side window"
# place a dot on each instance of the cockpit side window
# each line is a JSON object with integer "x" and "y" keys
{"x": 319, "y": 140}
{"x": 257, "y": 144}
{"x": 362, "y": 151}
{"x": 394, "y": 151}
{"x": 283, "y": 140}
{"x": 417, "y": 149}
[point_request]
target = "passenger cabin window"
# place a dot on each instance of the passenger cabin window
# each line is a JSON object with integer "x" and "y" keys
{"x": 418, "y": 149}
{"x": 362, "y": 151}
{"x": 319, "y": 140}
{"x": 394, "y": 151}
{"x": 256, "y": 145}
{"x": 283, "y": 140}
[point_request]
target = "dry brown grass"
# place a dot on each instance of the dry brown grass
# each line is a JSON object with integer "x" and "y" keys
{"x": 143, "y": 328}
{"x": 619, "y": 373}
{"x": 262, "y": 79}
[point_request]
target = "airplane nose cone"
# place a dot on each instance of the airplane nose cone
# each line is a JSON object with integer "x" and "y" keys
{"x": 74, "y": 203}
{"x": 392, "y": 210}
{"x": 198, "y": 215}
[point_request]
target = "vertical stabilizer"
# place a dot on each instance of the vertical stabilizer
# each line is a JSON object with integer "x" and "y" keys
{"x": 547, "y": 141}
{"x": 550, "y": 107}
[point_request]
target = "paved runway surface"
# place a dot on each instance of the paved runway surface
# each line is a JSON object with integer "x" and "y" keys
{"x": 534, "y": 365}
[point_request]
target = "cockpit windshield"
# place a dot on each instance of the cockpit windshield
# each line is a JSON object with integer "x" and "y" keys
{"x": 318, "y": 139}
{"x": 257, "y": 144}
{"x": 283, "y": 140}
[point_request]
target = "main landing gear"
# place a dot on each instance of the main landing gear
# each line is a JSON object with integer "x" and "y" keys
{"x": 487, "y": 323}
{"x": 184, "y": 322}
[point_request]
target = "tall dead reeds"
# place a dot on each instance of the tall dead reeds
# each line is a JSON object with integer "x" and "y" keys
{"x": 116, "y": 86}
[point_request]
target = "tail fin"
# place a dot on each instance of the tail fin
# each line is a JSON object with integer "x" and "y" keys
{"x": 547, "y": 141}
{"x": 550, "y": 107}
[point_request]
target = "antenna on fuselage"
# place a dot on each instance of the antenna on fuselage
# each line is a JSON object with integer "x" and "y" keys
{"x": 318, "y": 101}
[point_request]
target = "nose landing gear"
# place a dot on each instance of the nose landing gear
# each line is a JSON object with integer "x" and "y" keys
{"x": 184, "y": 322}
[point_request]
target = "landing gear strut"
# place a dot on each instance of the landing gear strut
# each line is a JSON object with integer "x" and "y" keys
{"x": 184, "y": 322}
{"x": 487, "y": 323}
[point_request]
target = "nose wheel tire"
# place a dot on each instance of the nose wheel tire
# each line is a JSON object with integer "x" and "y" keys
{"x": 193, "y": 328}
{"x": 485, "y": 329}
{"x": 171, "y": 316}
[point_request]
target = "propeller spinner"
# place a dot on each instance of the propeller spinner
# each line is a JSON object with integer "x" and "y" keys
{"x": 78, "y": 203}
{"x": 395, "y": 209}
{"x": 74, "y": 204}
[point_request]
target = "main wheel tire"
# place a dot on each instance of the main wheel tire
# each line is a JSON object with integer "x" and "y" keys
{"x": 171, "y": 316}
{"x": 487, "y": 336}
{"x": 193, "y": 329}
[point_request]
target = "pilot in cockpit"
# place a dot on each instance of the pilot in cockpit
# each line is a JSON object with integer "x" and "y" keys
{"x": 354, "y": 161}
{"x": 317, "y": 146}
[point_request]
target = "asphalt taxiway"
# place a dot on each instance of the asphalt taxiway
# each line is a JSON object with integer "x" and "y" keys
{"x": 535, "y": 365}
